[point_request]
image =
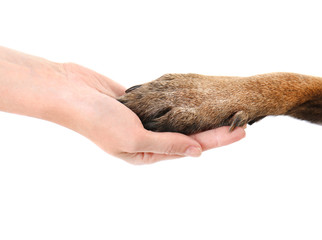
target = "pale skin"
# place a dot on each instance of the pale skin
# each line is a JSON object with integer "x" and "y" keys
{"x": 84, "y": 101}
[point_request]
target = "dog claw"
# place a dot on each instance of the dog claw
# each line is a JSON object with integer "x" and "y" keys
{"x": 238, "y": 120}
{"x": 132, "y": 88}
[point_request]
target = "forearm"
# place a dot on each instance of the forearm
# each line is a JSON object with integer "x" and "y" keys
{"x": 32, "y": 86}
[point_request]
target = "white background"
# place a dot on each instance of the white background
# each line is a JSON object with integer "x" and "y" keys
{"x": 55, "y": 184}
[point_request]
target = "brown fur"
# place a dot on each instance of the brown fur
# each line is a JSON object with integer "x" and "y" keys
{"x": 190, "y": 103}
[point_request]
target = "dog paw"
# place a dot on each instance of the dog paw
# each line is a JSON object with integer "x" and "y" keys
{"x": 184, "y": 103}
{"x": 191, "y": 103}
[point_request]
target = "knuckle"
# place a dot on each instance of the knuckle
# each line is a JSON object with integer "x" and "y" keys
{"x": 170, "y": 149}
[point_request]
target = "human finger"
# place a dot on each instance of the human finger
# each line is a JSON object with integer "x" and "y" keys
{"x": 218, "y": 137}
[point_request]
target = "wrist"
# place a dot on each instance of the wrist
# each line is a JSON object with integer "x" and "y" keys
{"x": 64, "y": 101}
{"x": 34, "y": 87}
{"x": 26, "y": 82}
{"x": 67, "y": 94}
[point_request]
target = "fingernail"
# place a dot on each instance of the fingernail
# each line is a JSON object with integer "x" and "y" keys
{"x": 193, "y": 152}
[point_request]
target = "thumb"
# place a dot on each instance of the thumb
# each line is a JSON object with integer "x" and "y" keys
{"x": 170, "y": 144}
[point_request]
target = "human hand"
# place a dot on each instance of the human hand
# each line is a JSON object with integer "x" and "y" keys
{"x": 119, "y": 132}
